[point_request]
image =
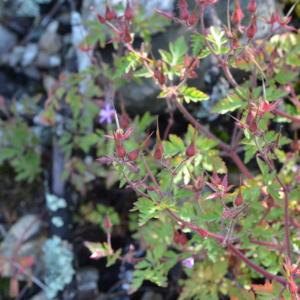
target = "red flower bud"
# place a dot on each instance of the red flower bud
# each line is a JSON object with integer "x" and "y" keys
{"x": 133, "y": 155}
{"x": 121, "y": 152}
{"x": 107, "y": 223}
{"x": 239, "y": 200}
{"x": 252, "y": 29}
{"x": 191, "y": 150}
{"x": 183, "y": 10}
{"x": 238, "y": 14}
{"x": 182, "y": 4}
{"x": 127, "y": 36}
{"x": 252, "y": 6}
{"x": 101, "y": 19}
{"x": 192, "y": 20}
{"x": 159, "y": 151}
{"x": 184, "y": 15}
{"x": 128, "y": 14}
{"x": 159, "y": 76}
{"x": 179, "y": 238}
{"x": 110, "y": 14}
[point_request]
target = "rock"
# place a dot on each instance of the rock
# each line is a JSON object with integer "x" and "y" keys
{"x": 87, "y": 283}
{"x": 44, "y": 60}
{"x": 141, "y": 97}
{"x": 149, "y": 6}
{"x": 15, "y": 57}
{"x": 50, "y": 41}
{"x": 30, "y": 53}
{"x": 150, "y": 295}
{"x": 39, "y": 296}
{"x": 8, "y": 40}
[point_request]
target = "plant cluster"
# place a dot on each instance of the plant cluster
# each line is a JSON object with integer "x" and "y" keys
{"x": 222, "y": 205}
{"x": 217, "y": 205}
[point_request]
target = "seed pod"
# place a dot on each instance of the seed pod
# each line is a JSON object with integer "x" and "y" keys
{"x": 191, "y": 150}
{"x": 133, "y": 155}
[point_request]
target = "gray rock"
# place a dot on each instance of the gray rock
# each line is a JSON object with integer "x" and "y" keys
{"x": 87, "y": 283}
{"x": 30, "y": 53}
{"x": 149, "y": 295}
{"x": 141, "y": 97}
{"x": 15, "y": 57}
{"x": 148, "y": 5}
{"x": 44, "y": 60}
{"x": 39, "y": 296}
{"x": 50, "y": 41}
{"x": 8, "y": 39}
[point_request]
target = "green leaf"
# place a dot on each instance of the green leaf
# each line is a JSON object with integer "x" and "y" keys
{"x": 218, "y": 40}
{"x": 285, "y": 76}
{"x": 264, "y": 169}
{"x": 178, "y": 49}
{"x": 147, "y": 210}
{"x": 193, "y": 94}
{"x": 231, "y": 103}
{"x": 198, "y": 43}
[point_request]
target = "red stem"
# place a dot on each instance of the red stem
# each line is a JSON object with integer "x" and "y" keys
{"x": 281, "y": 113}
{"x": 232, "y": 154}
{"x": 220, "y": 238}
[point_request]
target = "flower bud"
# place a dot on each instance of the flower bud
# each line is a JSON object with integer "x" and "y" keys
{"x": 107, "y": 225}
{"x": 252, "y": 29}
{"x": 183, "y": 10}
{"x": 252, "y": 6}
{"x": 192, "y": 20}
{"x": 191, "y": 150}
{"x": 179, "y": 238}
{"x": 127, "y": 36}
{"x": 128, "y": 14}
{"x": 238, "y": 14}
{"x": 159, "y": 151}
{"x": 133, "y": 155}
{"x": 121, "y": 152}
{"x": 239, "y": 200}
{"x": 101, "y": 19}
{"x": 160, "y": 77}
{"x": 110, "y": 14}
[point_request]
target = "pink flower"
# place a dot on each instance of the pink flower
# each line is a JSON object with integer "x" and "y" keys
{"x": 189, "y": 262}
